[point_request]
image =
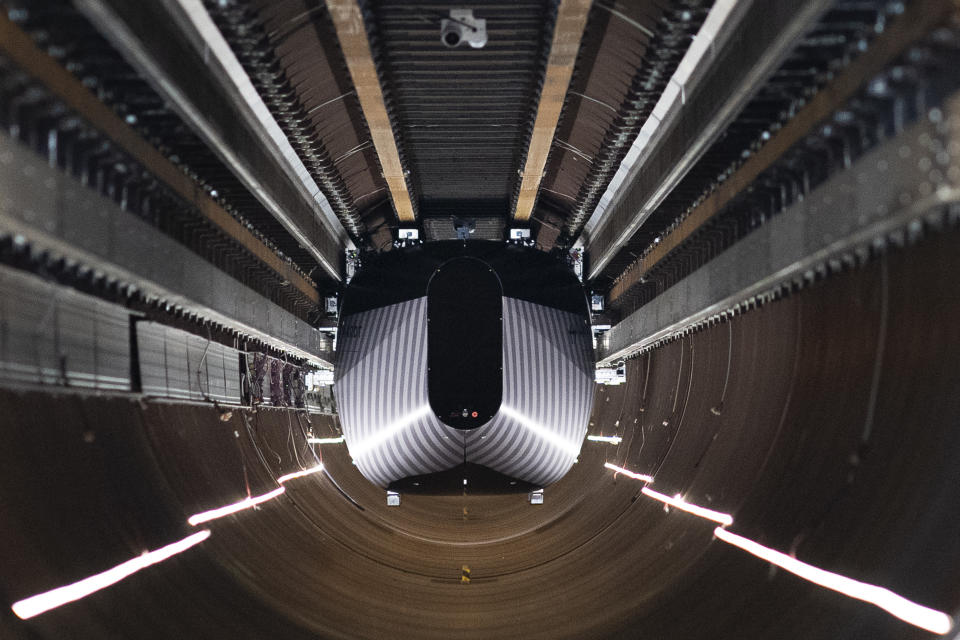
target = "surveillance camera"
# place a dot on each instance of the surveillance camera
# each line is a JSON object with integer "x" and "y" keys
{"x": 451, "y": 33}
{"x": 462, "y": 27}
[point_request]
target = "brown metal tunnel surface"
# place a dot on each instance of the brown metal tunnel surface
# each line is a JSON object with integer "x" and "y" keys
{"x": 825, "y": 422}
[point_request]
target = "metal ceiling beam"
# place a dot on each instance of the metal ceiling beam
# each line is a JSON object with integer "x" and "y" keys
{"x": 352, "y": 34}
{"x": 571, "y": 19}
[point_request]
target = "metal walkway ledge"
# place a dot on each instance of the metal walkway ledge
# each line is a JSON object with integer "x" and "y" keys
{"x": 717, "y": 89}
{"x": 894, "y": 187}
{"x": 54, "y": 212}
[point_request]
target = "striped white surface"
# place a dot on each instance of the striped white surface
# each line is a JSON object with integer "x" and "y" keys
{"x": 547, "y": 381}
{"x": 382, "y": 394}
{"x": 381, "y": 380}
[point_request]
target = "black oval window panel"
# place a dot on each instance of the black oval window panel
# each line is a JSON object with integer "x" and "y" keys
{"x": 465, "y": 343}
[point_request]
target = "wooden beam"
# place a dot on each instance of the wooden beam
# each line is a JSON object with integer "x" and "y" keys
{"x": 571, "y": 19}
{"x": 352, "y": 34}
{"x": 20, "y": 48}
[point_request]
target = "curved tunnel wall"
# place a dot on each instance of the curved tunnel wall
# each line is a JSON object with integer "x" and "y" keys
{"x": 824, "y": 422}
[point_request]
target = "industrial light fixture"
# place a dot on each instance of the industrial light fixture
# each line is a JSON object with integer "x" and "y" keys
{"x": 407, "y": 236}
{"x": 611, "y": 376}
{"x": 319, "y": 378}
{"x": 520, "y": 236}
{"x": 325, "y": 440}
{"x": 330, "y": 305}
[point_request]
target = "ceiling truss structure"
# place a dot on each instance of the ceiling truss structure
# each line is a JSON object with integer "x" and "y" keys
{"x": 352, "y": 34}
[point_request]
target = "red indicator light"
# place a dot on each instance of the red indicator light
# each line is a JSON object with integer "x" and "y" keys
{"x": 474, "y": 414}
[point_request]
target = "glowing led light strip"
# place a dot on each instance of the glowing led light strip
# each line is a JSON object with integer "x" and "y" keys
{"x": 676, "y": 501}
{"x": 630, "y": 474}
{"x": 683, "y": 505}
{"x": 325, "y": 440}
{"x": 35, "y": 605}
{"x": 571, "y": 448}
{"x": 911, "y": 612}
{"x": 610, "y": 439}
{"x": 300, "y": 474}
{"x": 213, "y": 514}
{"x": 388, "y": 432}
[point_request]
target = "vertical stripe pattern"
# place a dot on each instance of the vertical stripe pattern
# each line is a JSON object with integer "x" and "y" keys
{"x": 381, "y": 390}
{"x": 382, "y": 394}
{"x": 548, "y": 380}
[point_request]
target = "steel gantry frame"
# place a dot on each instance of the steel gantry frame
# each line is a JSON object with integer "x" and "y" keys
{"x": 352, "y": 34}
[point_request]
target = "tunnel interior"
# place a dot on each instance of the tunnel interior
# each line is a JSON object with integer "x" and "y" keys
{"x": 761, "y": 416}
{"x": 612, "y": 321}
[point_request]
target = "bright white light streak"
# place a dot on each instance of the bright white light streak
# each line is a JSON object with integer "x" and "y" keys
{"x": 542, "y": 432}
{"x": 388, "y": 432}
{"x": 213, "y": 514}
{"x": 35, "y": 605}
{"x": 630, "y": 474}
{"x": 911, "y": 612}
{"x": 679, "y": 503}
{"x": 325, "y": 440}
{"x": 610, "y": 439}
{"x": 300, "y": 474}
